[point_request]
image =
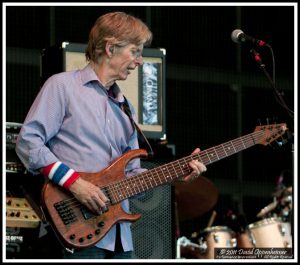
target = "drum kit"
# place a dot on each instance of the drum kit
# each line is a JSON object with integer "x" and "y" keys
{"x": 272, "y": 230}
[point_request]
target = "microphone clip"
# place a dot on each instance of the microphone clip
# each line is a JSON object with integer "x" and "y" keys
{"x": 257, "y": 58}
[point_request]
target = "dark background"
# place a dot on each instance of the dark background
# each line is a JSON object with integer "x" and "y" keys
{"x": 214, "y": 90}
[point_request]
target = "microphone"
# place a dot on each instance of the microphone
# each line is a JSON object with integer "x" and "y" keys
{"x": 239, "y": 36}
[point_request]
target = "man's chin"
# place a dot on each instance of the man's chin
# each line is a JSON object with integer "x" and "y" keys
{"x": 123, "y": 77}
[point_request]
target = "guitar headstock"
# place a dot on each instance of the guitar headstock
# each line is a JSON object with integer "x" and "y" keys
{"x": 269, "y": 133}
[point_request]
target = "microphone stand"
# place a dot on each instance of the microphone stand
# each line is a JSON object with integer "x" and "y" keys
{"x": 262, "y": 66}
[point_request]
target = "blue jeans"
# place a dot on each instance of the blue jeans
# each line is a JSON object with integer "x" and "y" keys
{"x": 97, "y": 253}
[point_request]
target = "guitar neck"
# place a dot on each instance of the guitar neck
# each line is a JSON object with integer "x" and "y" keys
{"x": 169, "y": 172}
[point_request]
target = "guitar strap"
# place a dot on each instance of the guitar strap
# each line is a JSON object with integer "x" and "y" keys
{"x": 143, "y": 141}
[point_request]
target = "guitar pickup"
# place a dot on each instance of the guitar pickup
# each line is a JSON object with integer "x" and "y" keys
{"x": 65, "y": 212}
{"x": 87, "y": 214}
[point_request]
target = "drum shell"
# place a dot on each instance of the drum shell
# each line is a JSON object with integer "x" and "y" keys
{"x": 267, "y": 233}
{"x": 216, "y": 237}
{"x": 244, "y": 240}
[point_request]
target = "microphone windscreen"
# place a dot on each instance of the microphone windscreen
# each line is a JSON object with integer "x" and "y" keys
{"x": 235, "y": 35}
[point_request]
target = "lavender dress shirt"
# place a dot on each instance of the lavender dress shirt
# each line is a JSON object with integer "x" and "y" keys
{"x": 75, "y": 121}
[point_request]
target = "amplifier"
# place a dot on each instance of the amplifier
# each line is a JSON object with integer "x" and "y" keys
{"x": 19, "y": 213}
{"x": 15, "y": 167}
{"x": 22, "y": 229}
{"x": 26, "y": 243}
{"x": 19, "y": 242}
{"x": 13, "y": 163}
{"x": 12, "y": 131}
{"x": 11, "y": 139}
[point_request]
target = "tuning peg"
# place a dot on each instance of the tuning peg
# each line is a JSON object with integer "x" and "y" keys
{"x": 281, "y": 143}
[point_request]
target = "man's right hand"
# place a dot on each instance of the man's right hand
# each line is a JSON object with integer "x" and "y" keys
{"x": 89, "y": 195}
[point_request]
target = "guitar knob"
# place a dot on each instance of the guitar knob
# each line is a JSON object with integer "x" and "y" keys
{"x": 72, "y": 237}
{"x": 81, "y": 239}
{"x": 101, "y": 224}
{"x": 89, "y": 236}
{"x": 97, "y": 232}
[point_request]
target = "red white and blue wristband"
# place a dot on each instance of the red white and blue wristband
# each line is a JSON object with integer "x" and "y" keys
{"x": 60, "y": 174}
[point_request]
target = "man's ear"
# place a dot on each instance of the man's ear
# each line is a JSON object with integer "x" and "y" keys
{"x": 109, "y": 48}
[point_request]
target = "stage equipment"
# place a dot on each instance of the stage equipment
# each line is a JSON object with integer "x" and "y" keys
{"x": 193, "y": 199}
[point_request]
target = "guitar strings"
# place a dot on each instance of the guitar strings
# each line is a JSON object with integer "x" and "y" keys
{"x": 116, "y": 189}
{"x": 158, "y": 170}
{"x": 245, "y": 142}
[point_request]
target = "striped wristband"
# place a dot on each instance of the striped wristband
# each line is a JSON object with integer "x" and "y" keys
{"x": 60, "y": 174}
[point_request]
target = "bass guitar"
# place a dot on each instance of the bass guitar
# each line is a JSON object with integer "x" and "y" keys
{"x": 77, "y": 227}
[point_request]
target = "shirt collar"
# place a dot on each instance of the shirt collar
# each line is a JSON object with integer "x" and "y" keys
{"x": 116, "y": 93}
{"x": 88, "y": 75}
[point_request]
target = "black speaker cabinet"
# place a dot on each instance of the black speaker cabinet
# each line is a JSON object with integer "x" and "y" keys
{"x": 154, "y": 233}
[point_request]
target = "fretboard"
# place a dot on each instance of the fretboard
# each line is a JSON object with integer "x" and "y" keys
{"x": 169, "y": 172}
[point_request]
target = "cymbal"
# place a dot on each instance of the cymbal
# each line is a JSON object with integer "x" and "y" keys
{"x": 195, "y": 198}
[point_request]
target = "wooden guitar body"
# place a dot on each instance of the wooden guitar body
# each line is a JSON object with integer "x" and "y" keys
{"x": 74, "y": 224}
